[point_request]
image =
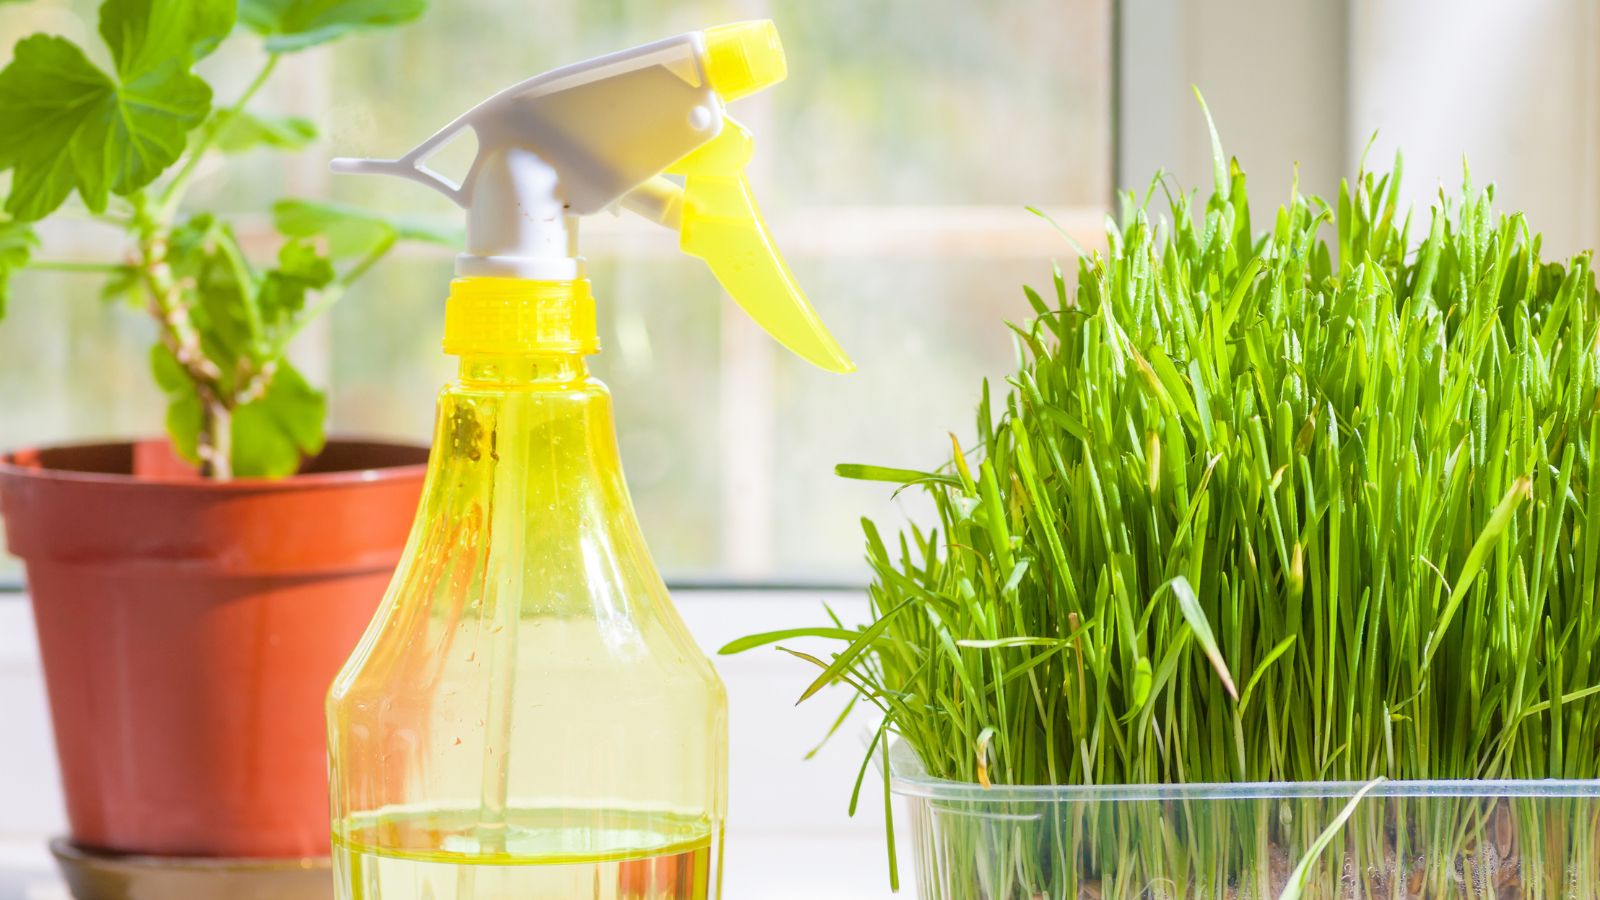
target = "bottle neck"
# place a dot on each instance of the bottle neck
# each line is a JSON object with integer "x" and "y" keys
{"x": 523, "y": 370}
{"x": 525, "y": 460}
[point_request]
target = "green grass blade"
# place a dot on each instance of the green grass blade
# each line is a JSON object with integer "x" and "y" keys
{"x": 1496, "y": 526}
{"x": 752, "y": 641}
{"x": 1189, "y": 605}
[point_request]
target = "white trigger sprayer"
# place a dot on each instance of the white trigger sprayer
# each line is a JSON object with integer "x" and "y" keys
{"x": 582, "y": 138}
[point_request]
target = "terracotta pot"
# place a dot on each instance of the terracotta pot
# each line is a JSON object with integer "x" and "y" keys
{"x": 189, "y": 630}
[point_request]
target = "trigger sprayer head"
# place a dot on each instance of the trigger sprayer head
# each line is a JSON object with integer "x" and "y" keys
{"x": 744, "y": 58}
{"x": 597, "y": 135}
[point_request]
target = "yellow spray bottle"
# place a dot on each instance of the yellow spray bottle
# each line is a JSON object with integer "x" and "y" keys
{"x": 526, "y": 716}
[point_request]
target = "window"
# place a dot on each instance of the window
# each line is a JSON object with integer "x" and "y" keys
{"x": 893, "y": 165}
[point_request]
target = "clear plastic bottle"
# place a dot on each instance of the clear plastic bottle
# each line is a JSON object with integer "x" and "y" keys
{"x": 527, "y": 717}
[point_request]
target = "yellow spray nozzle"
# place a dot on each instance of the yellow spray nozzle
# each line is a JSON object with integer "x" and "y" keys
{"x": 718, "y": 221}
{"x": 744, "y": 57}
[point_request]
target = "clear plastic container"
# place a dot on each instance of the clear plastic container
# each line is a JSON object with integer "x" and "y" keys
{"x": 1403, "y": 839}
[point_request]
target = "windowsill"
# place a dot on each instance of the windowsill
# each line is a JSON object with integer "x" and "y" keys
{"x": 685, "y": 582}
{"x": 784, "y": 811}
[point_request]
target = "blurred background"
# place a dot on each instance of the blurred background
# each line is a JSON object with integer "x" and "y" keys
{"x": 894, "y": 167}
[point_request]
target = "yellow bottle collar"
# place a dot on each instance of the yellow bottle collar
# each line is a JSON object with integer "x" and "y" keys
{"x": 512, "y": 316}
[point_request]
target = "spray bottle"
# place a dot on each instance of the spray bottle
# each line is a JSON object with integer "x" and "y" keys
{"x": 527, "y": 716}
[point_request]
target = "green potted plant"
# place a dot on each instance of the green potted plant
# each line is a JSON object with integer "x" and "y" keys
{"x": 1271, "y": 573}
{"x": 192, "y": 606}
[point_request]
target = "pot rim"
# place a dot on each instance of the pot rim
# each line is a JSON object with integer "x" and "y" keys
{"x": 908, "y": 778}
{"x": 10, "y": 467}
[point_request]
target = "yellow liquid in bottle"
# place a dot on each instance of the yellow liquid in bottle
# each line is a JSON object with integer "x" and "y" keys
{"x": 443, "y": 856}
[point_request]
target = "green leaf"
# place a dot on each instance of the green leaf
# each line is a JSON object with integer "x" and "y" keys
{"x": 274, "y": 433}
{"x": 997, "y": 643}
{"x": 1572, "y": 697}
{"x": 752, "y": 641}
{"x": 17, "y": 243}
{"x": 125, "y": 285}
{"x": 183, "y": 403}
{"x": 1219, "y": 161}
{"x": 1077, "y": 247}
{"x": 220, "y": 288}
{"x": 833, "y": 729}
{"x": 248, "y": 131}
{"x": 1189, "y": 605}
{"x": 290, "y": 25}
{"x": 1301, "y": 876}
{"x": 155, "y": 36}
{"x": 49, "y": 94}
{"x": 878, "y": 737}
{"x": 66, "y": 125}
{"x": 350, "y": 231}
{"x": 270, "y": 435}
{"x": 301, "y": 269}
{"x": 1143, "y": 681}
{"x": 1498, "y": 520}
{"x": 888, "y": 815}
{"x": 842, "y": 661}
{"x": 1261, "y": 669}
{"x": 860, "y": 472}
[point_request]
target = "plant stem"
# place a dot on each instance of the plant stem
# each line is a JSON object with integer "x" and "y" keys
{"x": 256, "y": 382}
{"x": 173, "y": 195}
{"x": 224, "y": 238}
{"x": 63, "y": 265}
{"x": 170, "y": 309}
{"x": 215, "y": 443}
{"x": 368, "y": 261}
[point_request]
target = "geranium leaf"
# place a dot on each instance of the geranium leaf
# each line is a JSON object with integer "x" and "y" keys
{"x": 247, "y": 131}
{"x": 350, "y": 231}
{"x": 274, "y": 433}
{"x": 183, "y": 403}
{"x": 48, "y": 94}
{"x": 290, "y": 25}
{"x": 218, "y": 311}
{"x": 67, "y": 125}
{"x": 17, "y": 242}
{"x": 151, "y": 36}
{"x": 301, "y": 269}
